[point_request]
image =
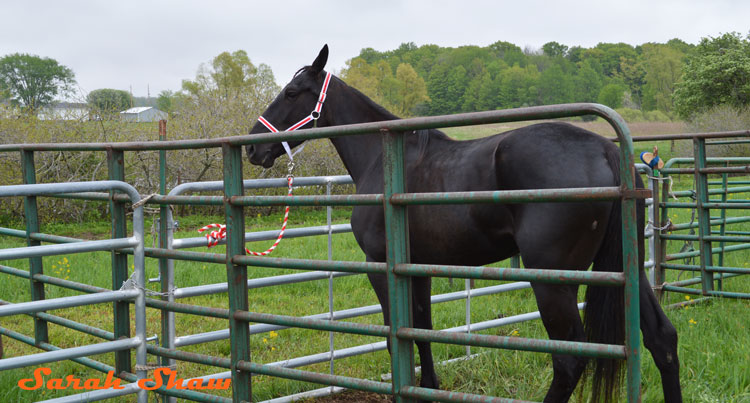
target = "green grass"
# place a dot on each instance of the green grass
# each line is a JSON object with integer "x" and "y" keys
{"x": 713, "y": 336}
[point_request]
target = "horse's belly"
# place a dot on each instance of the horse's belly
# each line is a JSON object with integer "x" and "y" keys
{"x": 460, "y": 235}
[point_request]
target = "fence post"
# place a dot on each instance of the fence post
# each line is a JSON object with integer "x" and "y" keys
{"x": 116, "y": 167}
{"x": 656, "y": 219}
{"x": 165, "y": 273}
{"x": 41, "y": 334}
{"x": 631, "y": 267}
{"x": 397, "y": 251}
{"x": 239, "y": 333}
{"x": 704, "y": 215}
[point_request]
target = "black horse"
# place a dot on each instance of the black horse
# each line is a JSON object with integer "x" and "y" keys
{"x": 547, "y": 235}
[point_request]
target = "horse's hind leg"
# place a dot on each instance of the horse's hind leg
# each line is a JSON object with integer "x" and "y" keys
{"x": 660, "y": 338}
{"x": 558, "y": 308}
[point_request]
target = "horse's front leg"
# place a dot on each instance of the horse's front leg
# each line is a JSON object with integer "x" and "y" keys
{"x": 422, "y": 313}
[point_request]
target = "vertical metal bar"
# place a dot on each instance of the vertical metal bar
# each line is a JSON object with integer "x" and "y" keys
{"x": 631, "y": 268}
{"x": 139, "y": 277}
{"x": 655, "y": 241}
{"x": 397, "y": 251}
{"x": 41, "y": 334}
{"x": 515, "y": 262}
{"x": 467, "y": 285}
{"x": 165, "y": 273}
{"x": 116, "y": 166}
{"x": 722, "y": 226}
{"x": 329, "y": 213}
{"x": 704, "y": 215}
{"x": 236, "y": 274}
{"x": 661, "y": 244}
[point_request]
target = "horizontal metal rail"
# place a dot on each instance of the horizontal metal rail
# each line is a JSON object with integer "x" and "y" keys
{"x": 104, "y": 368}
{"x": 187, "y": 340}
{"x": 515, "y": 343}
{"x": 731, "y": 248}
{"x": 78, "y": 247}
{"x": 498, "y": 273}
{"x": 70, "y": 324}
{"x": 418, "y": 392}
{"x": 67, "y": 302}
{"x": 68, "y": 353}
{"x": 518, "y": 196}
{"x": 183, "y": 243}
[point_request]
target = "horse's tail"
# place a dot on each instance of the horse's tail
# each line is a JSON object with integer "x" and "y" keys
{"x": 604, "y": 313}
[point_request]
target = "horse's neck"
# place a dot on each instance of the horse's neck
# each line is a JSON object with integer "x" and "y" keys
{"x": 361, "y": 154}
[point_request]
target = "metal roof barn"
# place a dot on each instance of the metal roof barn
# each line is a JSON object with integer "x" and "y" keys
{"x": 142, "y": 114}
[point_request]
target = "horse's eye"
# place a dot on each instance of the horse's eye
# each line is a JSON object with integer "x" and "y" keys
{"x": 291, "y": 94}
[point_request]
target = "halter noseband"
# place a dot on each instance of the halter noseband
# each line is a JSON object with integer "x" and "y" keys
{"x": 313, "y": 116}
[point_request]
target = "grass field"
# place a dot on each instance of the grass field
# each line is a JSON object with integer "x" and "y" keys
{"x": 713, "y": 336}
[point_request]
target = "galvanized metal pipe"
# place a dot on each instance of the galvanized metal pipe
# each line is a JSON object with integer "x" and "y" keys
{"x": 67, "y": 302}
{"x": 78, "y": 247}
{"x": 68, "y": 353}
{"x": 346, "y": 313}
{"x": 266, "y": 235}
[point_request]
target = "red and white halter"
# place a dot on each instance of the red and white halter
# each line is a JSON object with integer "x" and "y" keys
{"x": 313, "y": 116}
{"x": 220, "y": 233}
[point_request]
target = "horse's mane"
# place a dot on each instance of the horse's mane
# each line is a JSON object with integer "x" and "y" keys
{"x": 423, "y": 136}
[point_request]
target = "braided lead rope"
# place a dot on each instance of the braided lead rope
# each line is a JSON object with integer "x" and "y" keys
{"x": 662, "y": 228}
{"x": 662, "y": 179}
{"x": 213, "y": 237}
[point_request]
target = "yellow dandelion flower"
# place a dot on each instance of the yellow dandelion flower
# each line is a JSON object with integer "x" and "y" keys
{"x": 692, "y": 321}
{"x": 515, "y": 333}
{"x": 54, "y": 267}
{"x": 265, "y": 340}
{"x": 273, "y": 334}
{"x": 273, "y": 348}
{"x": 687, "y": 298}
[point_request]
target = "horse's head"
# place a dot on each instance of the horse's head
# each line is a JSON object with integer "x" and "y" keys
{"x": 296, "y": 106}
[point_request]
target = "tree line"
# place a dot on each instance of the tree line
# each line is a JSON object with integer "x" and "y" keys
{"x": 502, "y": 75}
{"x": 670, "y": 80}
{"x": 674, "y": 78}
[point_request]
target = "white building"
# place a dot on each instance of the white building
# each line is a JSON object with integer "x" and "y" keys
{"x": 143, "y": 114}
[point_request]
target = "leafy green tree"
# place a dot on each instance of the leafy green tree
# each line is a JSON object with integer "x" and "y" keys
{"x": 446, "y": 87}
{"x": 612, "y": 55}
{"x": 611, "y": 95}
{"x": 166, "y": 101}
{"x": 107, "y": 101}
{"x": 518, "y": 86}
{"x": 716, "y": 73}
{"x": 233, "y": 76}
{"x": 586, "y": 83}
{"x": 554, "y": 49}
{"x": 662, "y": 65}
{"x": 555, "y": 87}
{"x": 509, "y": 53}
{"x": 32, "y": 81}
{"x": 411, "y": 89}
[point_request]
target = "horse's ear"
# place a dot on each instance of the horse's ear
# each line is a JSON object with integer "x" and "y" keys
{"x": 320, "y": 62}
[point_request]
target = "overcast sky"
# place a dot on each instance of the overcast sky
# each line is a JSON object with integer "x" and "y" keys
{"x": 154, "y": 45}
